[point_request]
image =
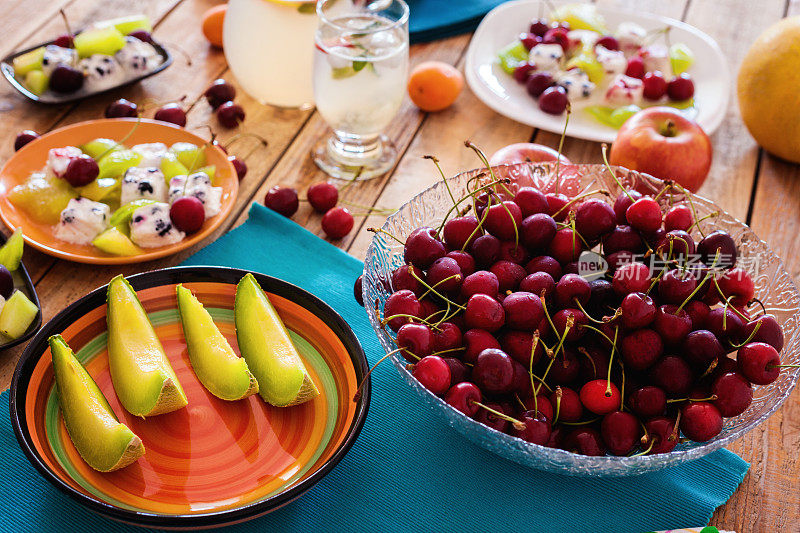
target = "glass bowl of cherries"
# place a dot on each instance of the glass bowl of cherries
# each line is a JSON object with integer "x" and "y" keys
{"x": 601, "y": 323}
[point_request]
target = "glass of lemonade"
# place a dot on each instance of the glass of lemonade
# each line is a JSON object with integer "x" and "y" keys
{"x": 268, "y": 46}
{"x": 360, "y": 75}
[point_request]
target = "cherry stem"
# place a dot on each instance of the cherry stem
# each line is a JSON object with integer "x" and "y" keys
{"x": 759, "y": 302}
{"x": 370, "y": 210}
{"x": 559, "y": 394}
{"x": 121, "y": 141}
{"x": 678, "y": 400}
{"x": 691, "y": 295}
{"x": 582, "y": 350}
{"x": 448, "y": 278}
{"x": 262, "y": 141}
{"x": 441, "y": 172}
{"x": 534, "y": 344}
{"x": 579, "y": 197}
{"x": 749, "y": 337}
{"x": 357, "y": 395}
{"x": 622, "y": 385}
{"x": 518, "y": 424}
{"x": 697, "y": 222}
{"x": 544, "y": 376}
{"x": 674, "y": 434}
{"x": 578, "y": 303}
{"x": 561, "y": 146}
{"x": 645, "y": 451}
{"x": 604, "y": 150}
{"x": 469, "y": 144}
{"x": 66, "y": 22}
{"x": 783, "y": 366}
{"x": 688, "y": 195}
{"x": 546, "y": 312}
{"x": 710, "y": 368}
{"x": 472, "y": 195}
{"x": 610, "y": 359}
{"x": 449, "y": 350}
{"x": 433, "y": 290}
{"x": 380, "y": 230}
{"x": 583, "y": 423}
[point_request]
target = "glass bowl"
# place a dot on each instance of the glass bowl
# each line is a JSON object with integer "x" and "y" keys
{"x": 773, "y": 287}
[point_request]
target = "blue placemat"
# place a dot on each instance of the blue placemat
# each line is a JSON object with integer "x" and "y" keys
{"x": 437, "y": 19}
{"x": 407, "y": 471}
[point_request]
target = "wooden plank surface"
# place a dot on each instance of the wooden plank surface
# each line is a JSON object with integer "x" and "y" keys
{"x": 769, "y": 498}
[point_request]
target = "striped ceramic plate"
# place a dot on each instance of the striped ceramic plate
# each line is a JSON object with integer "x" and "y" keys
{"x": 214, "y": 462}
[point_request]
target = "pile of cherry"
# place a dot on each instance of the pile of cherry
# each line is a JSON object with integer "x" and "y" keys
{"x": 337, "y": 221}
{"x": 492, "y": 315}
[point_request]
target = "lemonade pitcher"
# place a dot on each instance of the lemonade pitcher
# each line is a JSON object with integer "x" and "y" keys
{"x": 269, "y": 47}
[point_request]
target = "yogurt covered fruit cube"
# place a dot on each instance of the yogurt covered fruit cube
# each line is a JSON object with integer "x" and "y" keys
{"x": 137, "y": 57}
{"x": 152, "y": 154}
{"x": 656, "y": 58}
{"x": 57, "y": 55}
{"x": 613, "y": 61}
{"x": 101, "y": 72}
{"x": 151, "y": 227}
{"x": 631, "y": 37}
{"x": 623, "y": 91}
{"x": 82, "y": 221}
{"x": 58, "y": 159}
{"x": 143, "y": 183}
{"x": 199, "y": 186}
{"x": 576, "y": 82}
{"x": 546, "y": 57}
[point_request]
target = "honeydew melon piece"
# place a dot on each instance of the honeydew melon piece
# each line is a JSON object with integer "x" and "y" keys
{"x": 11, "y": 251}
{"x": 28, "y": 62}
{"x": 143, "y": 378}
{"x": 216, "y": 365}
{"x": 36, "y": 81}
{"x": 105, "y": 41}
{"x": 113, "y": 241}
{"x": 128, "y": 24}
{"x": 190, "y": 155}
{"x": 266, "y": 346}
{"x": 42, "y": 197}
{"x": 103, "y": 442}
{"x": 17, "y": 314}
{"x": 99, "y": 147}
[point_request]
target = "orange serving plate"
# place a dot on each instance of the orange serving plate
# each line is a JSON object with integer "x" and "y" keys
{"x": 213, "y": 462}
{"x": 32, "y": 157}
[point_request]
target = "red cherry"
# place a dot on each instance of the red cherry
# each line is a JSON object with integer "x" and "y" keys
{"x": 641, "y": 348}
{"x": 655, "y": 86}
{"x": 600, "y": 397}
{"x": 282, "y": 200}
{"x": 187, "y": 213}
{"x": 423, "y": 247}
{"x": 585, "y": 441}
{"x": 523, "y": 72}
{"x": 337, "y": 222}
{"x": 323, "y": 196}
{"x": 530, "y": 201}
{"x": 566, "y": 246}
{"x": 238, "y": 165}
{"x": 557, "y": 36}
{"x": 476, "y": 341}
{"x": 537, "y": 82}
{"x": 700, "y": 421}
{"x": 681, "y": 87}
{"x": 632, "y": 277}
{"x": 402, "y": 302}
{"x": 121, "y": 108}
{"x": 219, "y": 92}
{"x": 553, "y": 100}
{"x": 523, "y": 310}
{"x": 608, "y": 42}
{"x": 673, "y": 375}
{"x": 678, "y": 217}
{"x": 544, "y": 263}
{"x": 734, "y": 394}
{"x": 484, "y": 312}
{"x": 415, "y": 340}
{"x": 487, "y": 418}
{"x": 81, "y": 170}
{"x": 536, "y": 430}
{"x": 503, "y": 220}
{"x": 408, "y": 277}
{"x": 648, "y": 401}
{"x": 172, "y": 113}
{"x": 465, "y": 261}
{"x": 493, "y": 371}
{"x": 458, "y": 232}
{"x": 758, "y": 362}
{"x": 433, "y": 373}
{"x": 529, "y": 40}
{"x": 447, "y": 336}
{"x": 638, "y": 310}
{"x": 23, "y": 138}
{"x": 65, "y": 41}
{"x": 569, "y": 405}
{"x": 644, "y": 214}
{"x": 462, "y": 396}
{"x": 769, "y": 331}
{"x": 635, "y": 68}
{"x": 661, "y": 432}
{"x": 445, "y": 276}
{"x": 230, "y": 115}
{"x": 620, "y": 432}
{"x": 480, "y": 282}
{"x": 509, "y": 275}
{"x": 594, "y": 218}
{"x": 358, "y": 292}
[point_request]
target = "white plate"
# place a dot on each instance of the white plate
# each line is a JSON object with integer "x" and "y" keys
{"x": 499, "y": 91}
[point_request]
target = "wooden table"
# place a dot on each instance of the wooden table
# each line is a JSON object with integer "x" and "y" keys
{"x": 747, "y": 182}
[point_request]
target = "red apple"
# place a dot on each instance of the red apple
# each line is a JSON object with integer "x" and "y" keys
{"x": 663, "y": 143}
{"x": 526, "y": 153}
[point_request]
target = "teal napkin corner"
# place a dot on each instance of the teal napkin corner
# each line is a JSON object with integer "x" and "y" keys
{"x": 407, "y": 471}
{"x": 437, "y": 19}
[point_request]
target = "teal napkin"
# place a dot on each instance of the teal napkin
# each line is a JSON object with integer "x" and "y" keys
{"x": 407, "y": 471}
{"x": 437, "y": 19}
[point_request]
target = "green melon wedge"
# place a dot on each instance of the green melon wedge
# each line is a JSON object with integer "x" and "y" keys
{"x": 103, "y": 442}
{"x": 11, "y": 251}
{"x": 216, "y": 365}
{"x": 143, "y": 378}
{"x": 266, "y": 346}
